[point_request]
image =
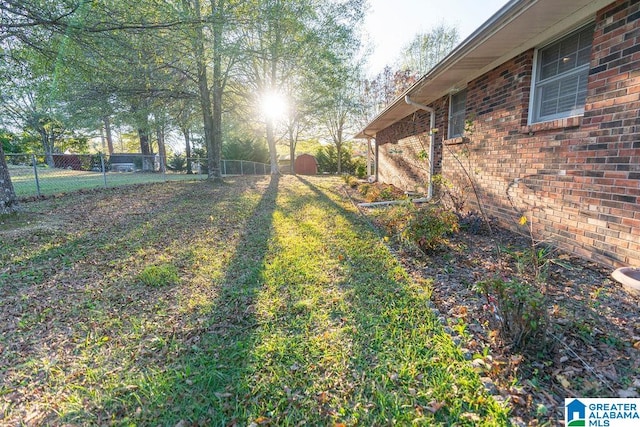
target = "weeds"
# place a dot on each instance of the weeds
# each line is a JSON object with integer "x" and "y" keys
{"x": 380, "y": 192}
{"x": 350, "y": 180}
{"x": 159, "y": 275}
{"x": 429, "y": 227}
{"x": 519, "y": 310}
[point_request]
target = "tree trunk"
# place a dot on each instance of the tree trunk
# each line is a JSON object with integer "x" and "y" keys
{"x": 215, "y": 154}
{"x": 8, "y": 200}
{"x": 103, "y": 139}
{"x": 161, "y": 149}
{"x": 339, "y": 144}
{"x": 274, "y": 52}
{"x": 48, "y": 148}
{"x": 205, "y": 93}
{"x": 187, "y": 149}
{"x": 109, "y": 135}
{"x": 145, "y": 149}
{"x": 271, "y": 140}
{"x": 207, "y": 114}
{"x": 292, "y": 151}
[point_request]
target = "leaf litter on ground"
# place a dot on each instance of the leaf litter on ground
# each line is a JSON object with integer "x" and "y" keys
{"x": 289, "y": 308}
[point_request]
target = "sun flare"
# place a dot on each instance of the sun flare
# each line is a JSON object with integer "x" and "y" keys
{"x": 274, "y": 106}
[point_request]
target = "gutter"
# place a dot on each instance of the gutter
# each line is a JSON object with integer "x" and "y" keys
{"x": 432, "y": 139}
{"x": 507, "y": 13}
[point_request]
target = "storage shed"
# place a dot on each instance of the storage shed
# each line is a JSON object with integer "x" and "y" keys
{"x": 306, "y": 164}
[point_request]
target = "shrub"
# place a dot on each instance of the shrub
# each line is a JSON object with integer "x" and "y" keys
{"x": 472, "y": 222}
{"x": 396, "y": 217}
{"x": 327, "y": 158}
{"x": 177, "y": 163}
{"x": 370, "y": 192}
{"x": 386, "y": 193}
{"x": 159, "y": 275}
{"x": 350, "y": 180}
{"x": 519, "y": 309}
{"x": 452, "y": 196}
{"x": 360, "y": 166}
{"x": 429, "y": 227}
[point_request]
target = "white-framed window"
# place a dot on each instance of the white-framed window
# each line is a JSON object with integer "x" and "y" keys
{"x": 560, "y": 74}
{"x": 457, "y": 108}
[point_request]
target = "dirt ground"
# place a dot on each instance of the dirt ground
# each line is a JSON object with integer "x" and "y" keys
{"x": 592, "y": 345}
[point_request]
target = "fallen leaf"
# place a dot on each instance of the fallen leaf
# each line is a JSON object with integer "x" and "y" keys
{"x": 434, "y": 406}
{"x": 323, "y": 397}
{"x": 471, "y": 416}
{"x": 563, "y": 380}
{"x": 261, "y": 420}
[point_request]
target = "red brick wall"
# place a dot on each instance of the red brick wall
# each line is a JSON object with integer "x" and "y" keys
{"x": 577, "y": 179}
{"x": 400, "y": 144}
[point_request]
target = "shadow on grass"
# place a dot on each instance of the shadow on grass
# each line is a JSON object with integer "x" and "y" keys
{"x": 61, "y": 312}
{"x": 200, "y": 386}
{"x": 363, "y": 347}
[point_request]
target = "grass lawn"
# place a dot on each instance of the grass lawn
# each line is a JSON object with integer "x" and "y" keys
{"x": 53, "y": 181}
{"x": 257, "y": 302}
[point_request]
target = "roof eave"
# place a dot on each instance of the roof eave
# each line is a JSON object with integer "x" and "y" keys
{"x": 487, "y": 32}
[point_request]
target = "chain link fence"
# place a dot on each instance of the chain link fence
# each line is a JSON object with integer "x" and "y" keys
{"x": 38, "y": 175}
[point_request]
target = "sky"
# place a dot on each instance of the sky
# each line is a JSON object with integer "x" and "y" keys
{"x": 391, "y": 24}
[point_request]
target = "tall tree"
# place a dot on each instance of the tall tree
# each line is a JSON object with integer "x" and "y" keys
{"x": 290, "y": 39}
{"x": 427, "y": 49}
{"x": 8, "y": 199}
{"x": 341, "y": 106}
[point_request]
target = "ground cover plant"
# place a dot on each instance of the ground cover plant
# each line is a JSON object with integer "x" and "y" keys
{"x": 538, "y": 324}
{"x": 257, "y": 302}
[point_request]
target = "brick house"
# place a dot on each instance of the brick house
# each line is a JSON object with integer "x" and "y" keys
{"x": 541, "y": 105}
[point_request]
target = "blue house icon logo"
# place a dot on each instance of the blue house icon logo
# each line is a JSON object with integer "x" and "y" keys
{"x": 576, "y": 414}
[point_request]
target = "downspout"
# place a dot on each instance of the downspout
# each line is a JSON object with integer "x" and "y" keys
{"x": 432, "y": 139}
{"x": 375, "y": 160}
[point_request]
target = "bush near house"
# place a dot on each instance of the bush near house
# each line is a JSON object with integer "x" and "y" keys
{"x": 376, "y": 192}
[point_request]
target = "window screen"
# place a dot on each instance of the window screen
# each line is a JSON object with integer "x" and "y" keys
{"x": 562, "y": 70}
{"x": 457, "y": 107}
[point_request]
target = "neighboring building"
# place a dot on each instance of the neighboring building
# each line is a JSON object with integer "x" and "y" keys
{"x": 131, "y": 162}
{"x": 306, "y": 164}
{"x": 540, "y": 106}
{"x": 284, "y": 163}
{"x": 67, "y": 161}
